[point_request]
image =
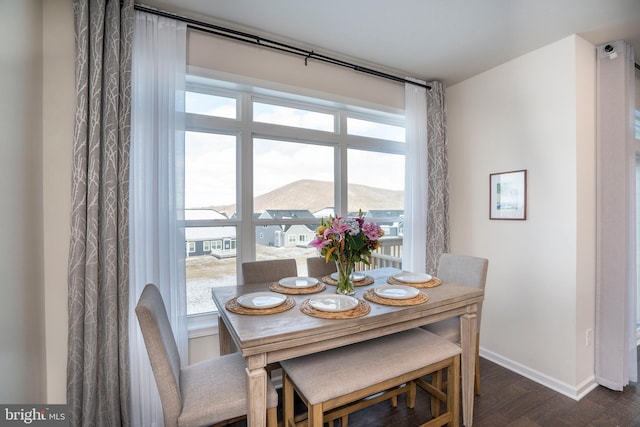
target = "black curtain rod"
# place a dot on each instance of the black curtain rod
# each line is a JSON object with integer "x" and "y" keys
{"x": 260, "y": 41}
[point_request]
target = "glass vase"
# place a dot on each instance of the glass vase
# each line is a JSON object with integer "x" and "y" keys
{"x": 345, "y": 283}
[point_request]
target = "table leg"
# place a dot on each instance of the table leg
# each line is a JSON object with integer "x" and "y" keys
{"x": 224, "y": 338}
{"x": 256, "y": 391}
{"x": 468, "y": 337}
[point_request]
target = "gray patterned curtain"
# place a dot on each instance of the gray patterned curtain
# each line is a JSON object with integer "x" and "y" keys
{"x": 438, "y": 184}
{"x": 98, "y": 359}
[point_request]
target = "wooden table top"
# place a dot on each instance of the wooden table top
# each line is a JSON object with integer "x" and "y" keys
{"x": 276, "y": 334}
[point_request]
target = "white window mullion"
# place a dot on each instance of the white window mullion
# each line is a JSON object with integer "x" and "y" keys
{"x": 246, "y": 233}
{"x": 340, "y": 180}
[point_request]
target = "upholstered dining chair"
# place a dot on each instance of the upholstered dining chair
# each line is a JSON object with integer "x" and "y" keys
{"x": 466, "y": 270}
{"x": 317, "y": 267}
{"x": 211, "y": 392}
{"x": 268, "y": 270}
{"x": 265, "y": 271}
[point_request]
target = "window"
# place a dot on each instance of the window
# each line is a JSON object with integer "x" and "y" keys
{"x": 288, "y": 116}
{"x": 381, "y": 171}
{"x": 375, "y": 129}
{"x": 262, "y": 168}
{"x": 210, "y": 105}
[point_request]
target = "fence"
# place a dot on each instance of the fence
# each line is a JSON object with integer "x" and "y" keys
{"x": 389, "y": 254}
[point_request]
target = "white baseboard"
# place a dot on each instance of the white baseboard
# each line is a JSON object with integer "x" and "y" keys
{"x": 574, "y": 392}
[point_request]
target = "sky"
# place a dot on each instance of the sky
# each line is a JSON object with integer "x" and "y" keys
{"x": 210, "y": 159}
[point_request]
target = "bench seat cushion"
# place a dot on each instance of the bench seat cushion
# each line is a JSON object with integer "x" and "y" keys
{"x": 344, "y": 370}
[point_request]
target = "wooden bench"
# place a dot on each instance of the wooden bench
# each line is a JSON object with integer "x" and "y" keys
{"x": 335, "y": 383}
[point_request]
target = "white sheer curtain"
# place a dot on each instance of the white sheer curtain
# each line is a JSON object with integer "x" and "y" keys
{"x": 414, "y": 253}
{"x": 157, "y": 194}
{"x": 615, "y": 349}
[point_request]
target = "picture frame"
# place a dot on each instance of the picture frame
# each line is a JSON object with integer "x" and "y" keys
{"x": 508, "y": 195}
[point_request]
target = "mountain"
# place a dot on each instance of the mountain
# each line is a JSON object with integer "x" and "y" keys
{"x": 316, "y": 195}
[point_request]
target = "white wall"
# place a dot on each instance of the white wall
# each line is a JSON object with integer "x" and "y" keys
{"x": 585, "y": 215}
{"x": 36, "y": 82}
{"x": 22, "y": 349}
{"x": 536, "y": 113}
{"x": 284, "y": 71}
{"x": 58, "y": 108}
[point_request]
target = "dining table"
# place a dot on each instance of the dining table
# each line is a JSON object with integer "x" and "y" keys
{"x": 265, "y": 339}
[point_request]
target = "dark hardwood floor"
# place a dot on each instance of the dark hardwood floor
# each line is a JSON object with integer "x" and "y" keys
{"x": 509, "y": 399}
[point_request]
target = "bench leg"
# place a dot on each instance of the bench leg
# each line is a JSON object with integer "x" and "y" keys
{"x": 453, "y": 391}
{"x": 315, "y": 415}
{"x": 287, "y": 401}
{"x": 272, "y": 417}
{"x": 411, "y": 394}
{"x": 436, "y": 381}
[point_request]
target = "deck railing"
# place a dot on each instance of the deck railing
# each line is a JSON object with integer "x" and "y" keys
{"x": 389, "y": 254}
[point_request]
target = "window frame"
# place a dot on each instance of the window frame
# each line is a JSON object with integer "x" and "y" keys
{"x": 246, "y": 130}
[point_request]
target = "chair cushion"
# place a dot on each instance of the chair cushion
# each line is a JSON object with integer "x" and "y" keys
{"x": 448, "y": 328}
{"x": 269, "y": 270}
{"x": 162, "y": 350}
{"x": 215, "y": 390}
{"x": 319, "y": 267}
{"x": 464, "y": 269}
{"x": 340, "y": 371}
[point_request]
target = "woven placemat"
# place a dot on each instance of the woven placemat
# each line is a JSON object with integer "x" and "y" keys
{"x": 362, "y": 309}
{"x": 430, "y": 284}
{"x": 277, "y": 287}
{"x": 364, "y": 282}
{"x": 233, "y": 306}
{"x": 418, "y": 299}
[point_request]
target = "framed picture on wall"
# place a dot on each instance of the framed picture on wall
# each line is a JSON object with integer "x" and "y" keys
{"x": 508, "y": 195}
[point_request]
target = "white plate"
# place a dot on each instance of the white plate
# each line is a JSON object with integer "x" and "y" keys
{"x": 356, "y": 277}
{"x": 261, "y": 300}
{"x": 298, "y": 282}
{"x": 396, "y": 291}
{"x": 413, "y": 277}
{"x": 333, "y": 302}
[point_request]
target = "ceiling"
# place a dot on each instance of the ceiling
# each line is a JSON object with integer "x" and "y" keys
{"x": 447, "y": 40}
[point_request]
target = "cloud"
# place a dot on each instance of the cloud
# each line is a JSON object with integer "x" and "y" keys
{"x": 210, "y": 159}
{"x": 210, "y": 169}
